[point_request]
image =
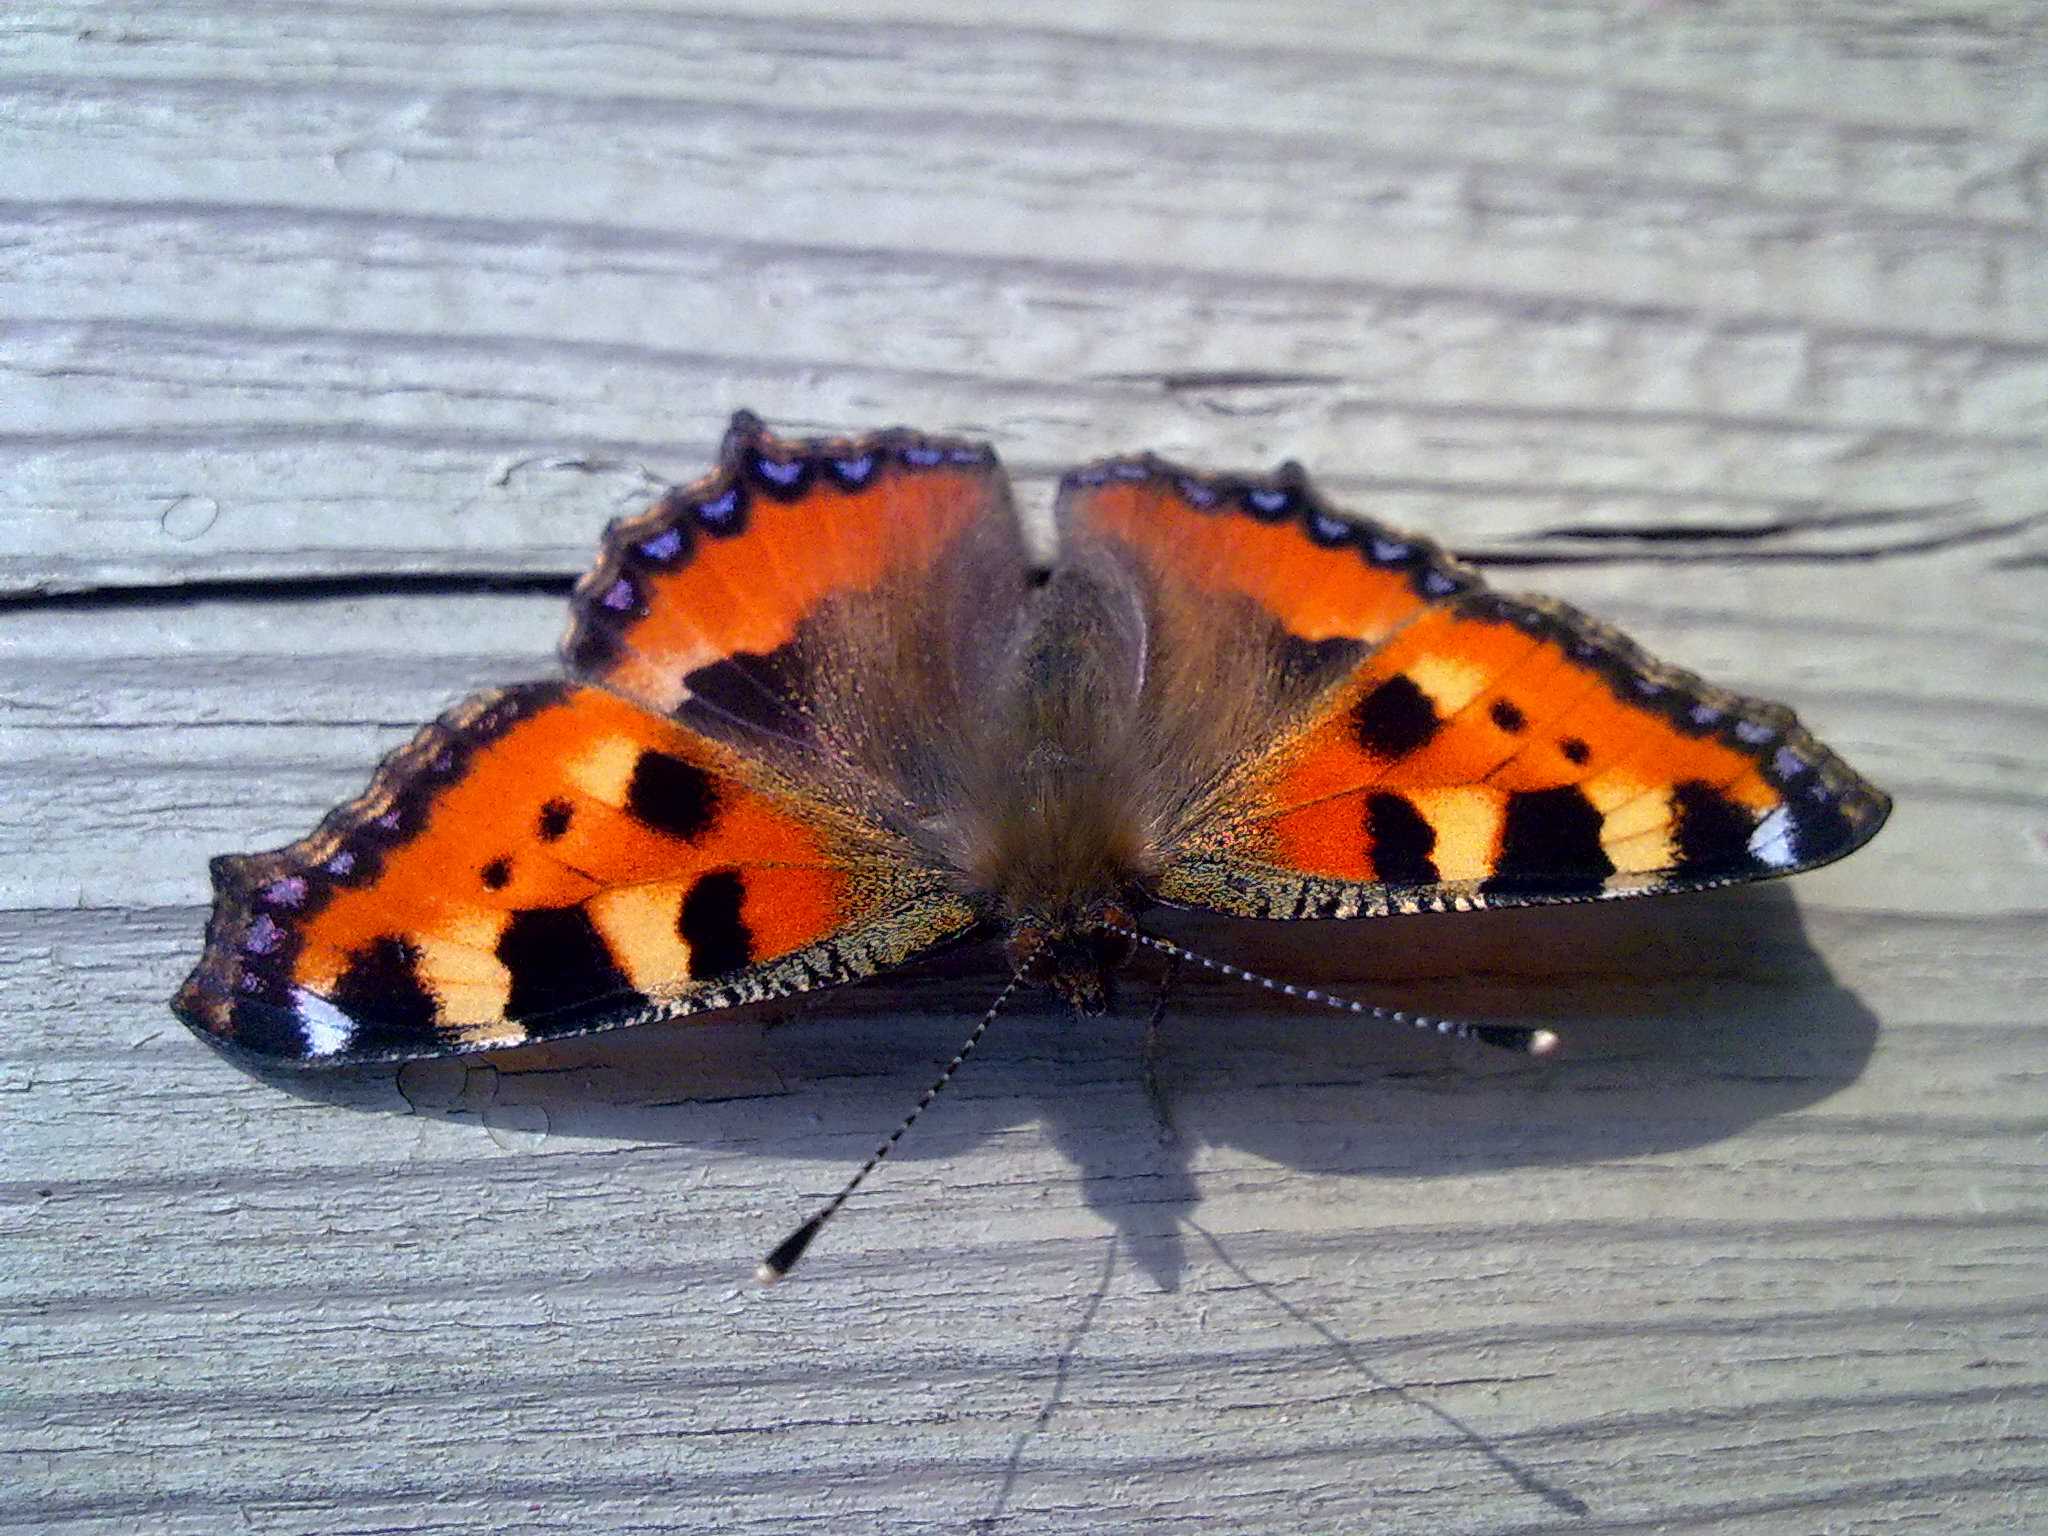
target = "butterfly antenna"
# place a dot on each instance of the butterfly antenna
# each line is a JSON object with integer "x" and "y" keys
{"x": 1503, "y": 1037}
{"x": 783, "y": 1258}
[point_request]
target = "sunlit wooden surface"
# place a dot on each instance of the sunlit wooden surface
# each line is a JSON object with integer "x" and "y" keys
{"x": 1726, "y": 321}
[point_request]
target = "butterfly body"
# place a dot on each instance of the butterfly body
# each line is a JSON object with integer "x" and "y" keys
{"x": 826, "y": 711}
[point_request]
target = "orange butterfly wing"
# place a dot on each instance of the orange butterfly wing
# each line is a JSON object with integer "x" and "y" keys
{"x": 553, "y": 858}
{"x": 733, "y": 565}
{"x": 543, "y": 861}
{"x": 1464, "y": 749}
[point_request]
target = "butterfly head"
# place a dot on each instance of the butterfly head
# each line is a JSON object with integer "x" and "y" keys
{"x": 1075, "y": 955}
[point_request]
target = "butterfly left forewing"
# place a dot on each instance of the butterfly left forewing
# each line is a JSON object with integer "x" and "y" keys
{"x": 546, "y": 860}
{"x": 1453, "y": 747}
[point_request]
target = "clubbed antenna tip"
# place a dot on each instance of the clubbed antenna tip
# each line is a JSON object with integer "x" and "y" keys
{"x": 788, "y": 1251}
{"x": 1507, "y": 1037}
{"x": 1502, "y": 1037}
{"x": 784, "y": 1256}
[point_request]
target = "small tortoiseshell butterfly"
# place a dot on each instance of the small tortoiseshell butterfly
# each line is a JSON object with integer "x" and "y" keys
{"x": 825, "y": 711}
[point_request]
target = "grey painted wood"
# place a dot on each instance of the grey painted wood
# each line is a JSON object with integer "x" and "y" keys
{"x": 1727, "y": 322}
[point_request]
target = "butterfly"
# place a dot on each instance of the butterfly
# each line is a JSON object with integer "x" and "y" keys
{"x": 826, "y": 710}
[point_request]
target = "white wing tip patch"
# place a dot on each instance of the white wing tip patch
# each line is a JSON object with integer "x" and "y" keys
{"x": 1771, "y": 842}
{"x": 329, "y": 1031}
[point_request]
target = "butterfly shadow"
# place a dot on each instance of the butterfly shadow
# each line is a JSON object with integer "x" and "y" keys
{"x": 1684, "y": 1020}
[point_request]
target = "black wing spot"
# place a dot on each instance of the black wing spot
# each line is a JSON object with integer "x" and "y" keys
{"x": 554, "y": 820}
{"x": 268, "y": 1028}
{"x": 563, "y": 973}
{"x": 1574, "y": 749}
{"x": 383, "y": 993}
{"x": 1821, "y": 829}
{"x": 1316, "y": 664}
{"x": 757, "y": 690}
{"x": 674, "y": 797}
{"x": 1395, "y": 719}
{"x": 1402, "y": 841}
{"x": 712, "y": 925}
{"x": 1550, "y": 846}
{"x": 497, "y": 874}
{"x": 1711, "y": 832}
{"x": 1508, "y": 717}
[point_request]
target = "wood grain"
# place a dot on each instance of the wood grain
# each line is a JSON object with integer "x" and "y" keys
{"x": 1728, "y": 322}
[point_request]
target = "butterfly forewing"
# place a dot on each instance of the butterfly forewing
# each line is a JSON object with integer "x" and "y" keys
{"x": 709, "y": 591}
{"x": 543, "y": 861}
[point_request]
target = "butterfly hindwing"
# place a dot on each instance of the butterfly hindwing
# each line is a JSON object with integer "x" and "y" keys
{"x": 724, "y": 573}
{"x": 544, "y": 860}
{"x": 1465, "y": 749}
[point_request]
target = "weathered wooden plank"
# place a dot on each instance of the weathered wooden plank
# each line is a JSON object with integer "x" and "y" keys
{"x": 1727, "y": 322}
{"x": 305, "y": 456}
{"x": 251, "y": 386}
